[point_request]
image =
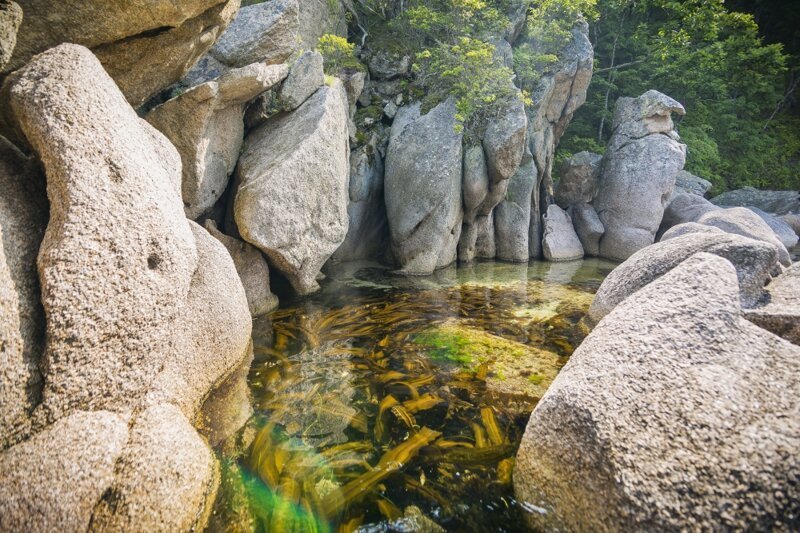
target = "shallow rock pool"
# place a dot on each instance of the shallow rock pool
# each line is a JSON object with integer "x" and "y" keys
{"x": 386, "y": 403}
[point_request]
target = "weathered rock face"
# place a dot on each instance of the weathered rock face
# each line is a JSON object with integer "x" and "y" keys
{"x": 305, "y": 77}
{"x": 588, "y": 227}
{"x": 686, "y": 182}
{"x": 780, "y": 313}
{"x": 423, "y": 188}
{"x": 641, "y": 162}
{"x": 10, "y": 19}
{"x": 683, "y": 208}
{"x": 272, "y": 32}
{"x": 143, "y": 66}
{"x": 266, "y": 32}
{"x": 488, "y": 170}
{"x": 673, "y": 393}
{"x": 512, "y": 217}
{"x": 214, "y": 330}
{"x": 578, "y": 181}
{"x": 368, "y": 230}
{"x": 753, "y": 260}
{"x": 205, "y": 124}
{"x": 23, "y": 218}
{"x": 166, "y": 477}
{"x": 118, "y": 255}
{"x": 144, "y": 47}
{"x": 776, "y": 202}
{"x": 560, "y": 242}
{"x": 52, "y": 481}
{"x": 291, "y": 201}
{"x": 782, "y": 230}
{"x": 742, "y": 221}
{"x": 252, "y": 269}
{"x": 793, "y": 221}
{"x": 556, "y": 100}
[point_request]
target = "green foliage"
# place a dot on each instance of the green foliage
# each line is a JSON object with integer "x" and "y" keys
{"x": 715, "y": 63}
{"x": 548, "y": 30}
{"x": 469, "y": 72}
{"x": 338, "y": 54}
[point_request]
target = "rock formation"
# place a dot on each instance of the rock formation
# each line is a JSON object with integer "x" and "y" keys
{"x": 686, "y": 182}
{"x": 638, "y": 173}
{"x": 742, "y": 221}
{"x": 127, "y": 284}
{"x": 252, "y": 268}
{"x": 779, "y": 312}
{"x": 10, "y": 19}
{"x": 291, "y": 198}
{"x": 560, "y": 242}
{"x": 206, "y": 126}
{"x": 23, "y": 218}
{"x": 753, "y": 260}
{"x": 145, "y": 47}
{"x": 555, "y": 101}
{"x": 676, "y": 412}
{"x": 578, "y": 181}
{"x": 776, "y": 202}
{"x": 367, "y": 231}
{"x": 423, "y": 188}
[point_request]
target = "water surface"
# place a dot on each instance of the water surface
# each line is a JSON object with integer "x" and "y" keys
{"x": 386, "y": 403}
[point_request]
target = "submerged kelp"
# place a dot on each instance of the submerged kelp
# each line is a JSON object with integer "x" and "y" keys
{"x": 386, "y": 401}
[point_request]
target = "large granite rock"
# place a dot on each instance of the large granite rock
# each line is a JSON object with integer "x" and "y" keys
{"x": 779, "y": 311}
{"x": 305, "y": 77}
{"x": 675, "y": 413}
{"x": 504, "y": 144}
{"x": 166, "y": 477}
{"x": 270, "y": 32}
{"x": 291, "y": 200}
{"x": 143, "y": 308}
{"x": 638, "y": 174}
{"x": 753, "y": 259}
{"x": 252, "y": 269}
{"x": 143, "y": 65}
{"x": 423, "y": 188}
{"x": 213, "y": 333}
{"x": 776, "y": 202}
{"x": 686, "y": 182}
{"x": 10, "y": 19}
{"x": 588, "y": 227}
{"x": 118, "y": 255}
{"x": 145, "y": 47}
{"x": 206, "y": 126}
{"x": 683, "y": 208}
{"x": 368, "y": 230}
{"x": 560, "y": 242}
{"x": 556, "y": 99}
{"x": 474, "y": 190}
{"x": 23, "y": 218}
{"x": 52, "y": 481}
{"x": 742, "y": 221}
{"x": 782, "y": 230}
{"x": 793, "y": 221}
{"x": 512, "y": 216}
{"x": 261, "y": 33}
{"x": 577, "y": 183}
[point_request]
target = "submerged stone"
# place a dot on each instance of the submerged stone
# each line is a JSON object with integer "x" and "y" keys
{"x": 517, "y": 375}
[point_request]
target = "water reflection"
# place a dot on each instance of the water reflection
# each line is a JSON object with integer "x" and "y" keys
{"x": 384, "y": 400}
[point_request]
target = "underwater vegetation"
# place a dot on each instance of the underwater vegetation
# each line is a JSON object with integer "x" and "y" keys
{"x": 396, "y": 408}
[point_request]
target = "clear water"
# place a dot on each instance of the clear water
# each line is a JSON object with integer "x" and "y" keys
{"x": 386, "y": 403}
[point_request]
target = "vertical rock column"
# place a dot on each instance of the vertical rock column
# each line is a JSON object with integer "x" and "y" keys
{"x": 642, "y": 160}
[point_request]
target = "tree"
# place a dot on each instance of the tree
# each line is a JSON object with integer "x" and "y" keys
{"x": 715, "y": 62}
